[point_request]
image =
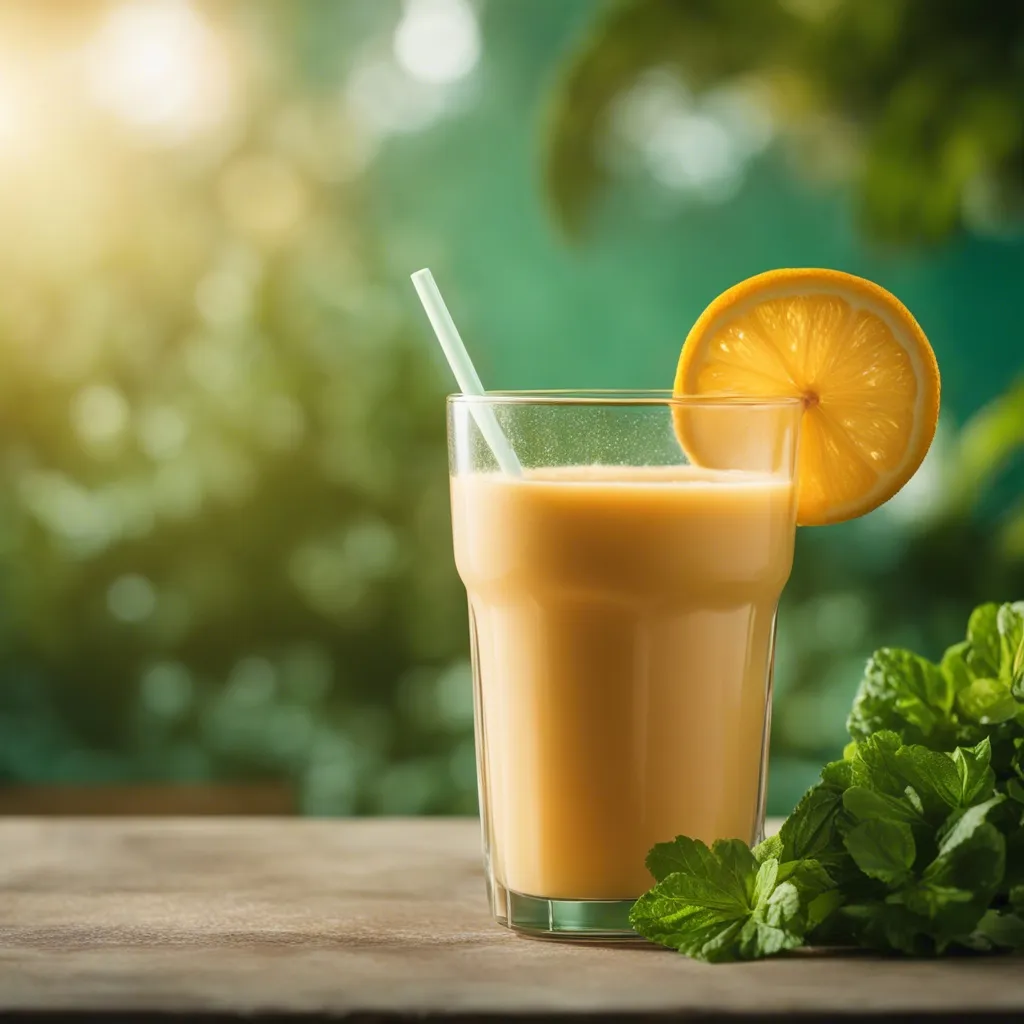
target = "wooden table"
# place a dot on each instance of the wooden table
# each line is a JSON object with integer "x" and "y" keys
{"x": 300, "y": 920}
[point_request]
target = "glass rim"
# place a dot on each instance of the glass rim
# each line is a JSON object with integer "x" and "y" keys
{"x": 630, "y": 397}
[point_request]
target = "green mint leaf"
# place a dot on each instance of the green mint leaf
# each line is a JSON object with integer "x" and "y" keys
{"x": 721, "y": 877}
{"x": 937, "y": 915}
{"x": 1017, "y": 684}
{"x": 910, "y": 794}
{"x": 999, "y": 930}
{"x": 1017, "y": 898}
{"x": 770, "y": 847}
{"x": 722, "y": 906}
{"x": 883, "y": 849}
{"x": 954, "y": 891}
{"x": 875, "y": 764}
{"x": 904, "y": 693}
{"x": 934, "y": 777}
{"x": 822, "y": 907}
{"x": 764, "y": 882}
{"x": 809, "y": 876}
{"x": 737, "y": 860}
{"x": 961, "y": 825}
{"x": 881, "y": 925}
{"x": 811, "y": 829}
{"x": 681, "y": 854}
{"x": 984, "y": 652}
{"x": 988, "y": 702}
{"x": 839, "y": 774}
{"x": 775, "y": 924}
{"x": 974, "y": 772}
{"x": 673, "y": 914}
{"x": 957, "y": 887}
{"x": 728, "y": 864}
{"x": 1010, "y": 624}
{"x": 865, "y": 804}
{"x": 942, "y": 781}
{"x": 1014, "y": 875}
{"x": 954, "y": 666}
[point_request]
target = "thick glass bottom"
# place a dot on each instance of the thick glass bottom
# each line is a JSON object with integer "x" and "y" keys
{"x": 605, "y": 920}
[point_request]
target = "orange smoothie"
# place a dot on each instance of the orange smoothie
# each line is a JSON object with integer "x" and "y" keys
{"x": 623, "y": 622}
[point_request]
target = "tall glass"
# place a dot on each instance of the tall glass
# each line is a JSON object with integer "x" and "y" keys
{"x": 622, "y": 601}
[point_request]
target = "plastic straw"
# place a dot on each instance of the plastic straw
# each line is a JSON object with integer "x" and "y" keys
{"x": 464, "y": 371}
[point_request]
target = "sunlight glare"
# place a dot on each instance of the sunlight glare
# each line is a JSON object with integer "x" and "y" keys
{"x": 158, "y": 66}
{"x": 437, "y": 41}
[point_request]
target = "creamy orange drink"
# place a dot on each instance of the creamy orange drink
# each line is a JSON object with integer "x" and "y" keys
{"x": 623, "y": 620}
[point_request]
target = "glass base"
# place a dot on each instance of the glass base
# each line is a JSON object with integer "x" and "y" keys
{"x": 606, "y": 920}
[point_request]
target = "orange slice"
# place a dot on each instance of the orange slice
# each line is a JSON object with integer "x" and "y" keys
{"x": 853, "y": 353}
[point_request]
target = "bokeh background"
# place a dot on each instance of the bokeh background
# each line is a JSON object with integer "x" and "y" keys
{"x": 225, "y": 557}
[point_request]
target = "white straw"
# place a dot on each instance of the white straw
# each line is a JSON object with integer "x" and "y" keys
{"x": 464, "y": 370}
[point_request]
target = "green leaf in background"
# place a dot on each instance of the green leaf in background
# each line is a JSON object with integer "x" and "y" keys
{"x": 927, "y": 138}
{"x": 708, "y": 39}
{"x": 883, "y": 849}
{"x": 986, "y": 445}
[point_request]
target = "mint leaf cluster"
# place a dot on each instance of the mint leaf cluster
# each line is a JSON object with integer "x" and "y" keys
{"x": 912, "y": 843}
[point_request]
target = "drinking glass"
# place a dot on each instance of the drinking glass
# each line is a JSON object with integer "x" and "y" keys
{"x": 622, "y": 594}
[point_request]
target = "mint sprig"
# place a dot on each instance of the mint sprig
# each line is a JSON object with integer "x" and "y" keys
{"x": 912, "y": 843}
{"x": 722, "y": 903}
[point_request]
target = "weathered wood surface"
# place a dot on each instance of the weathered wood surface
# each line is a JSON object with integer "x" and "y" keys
{"x": 372, "y": 918}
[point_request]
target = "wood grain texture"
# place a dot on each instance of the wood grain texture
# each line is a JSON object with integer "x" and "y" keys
{"x": 372, "y": 918}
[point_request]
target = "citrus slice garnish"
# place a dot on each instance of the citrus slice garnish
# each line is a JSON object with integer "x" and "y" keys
{"x": 856, "y": 357}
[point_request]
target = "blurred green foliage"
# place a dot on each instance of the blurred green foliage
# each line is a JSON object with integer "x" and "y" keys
{"x": 920, "y": 102}
{"x": 223, "y": 470}
{"x": 224, "y": 534}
